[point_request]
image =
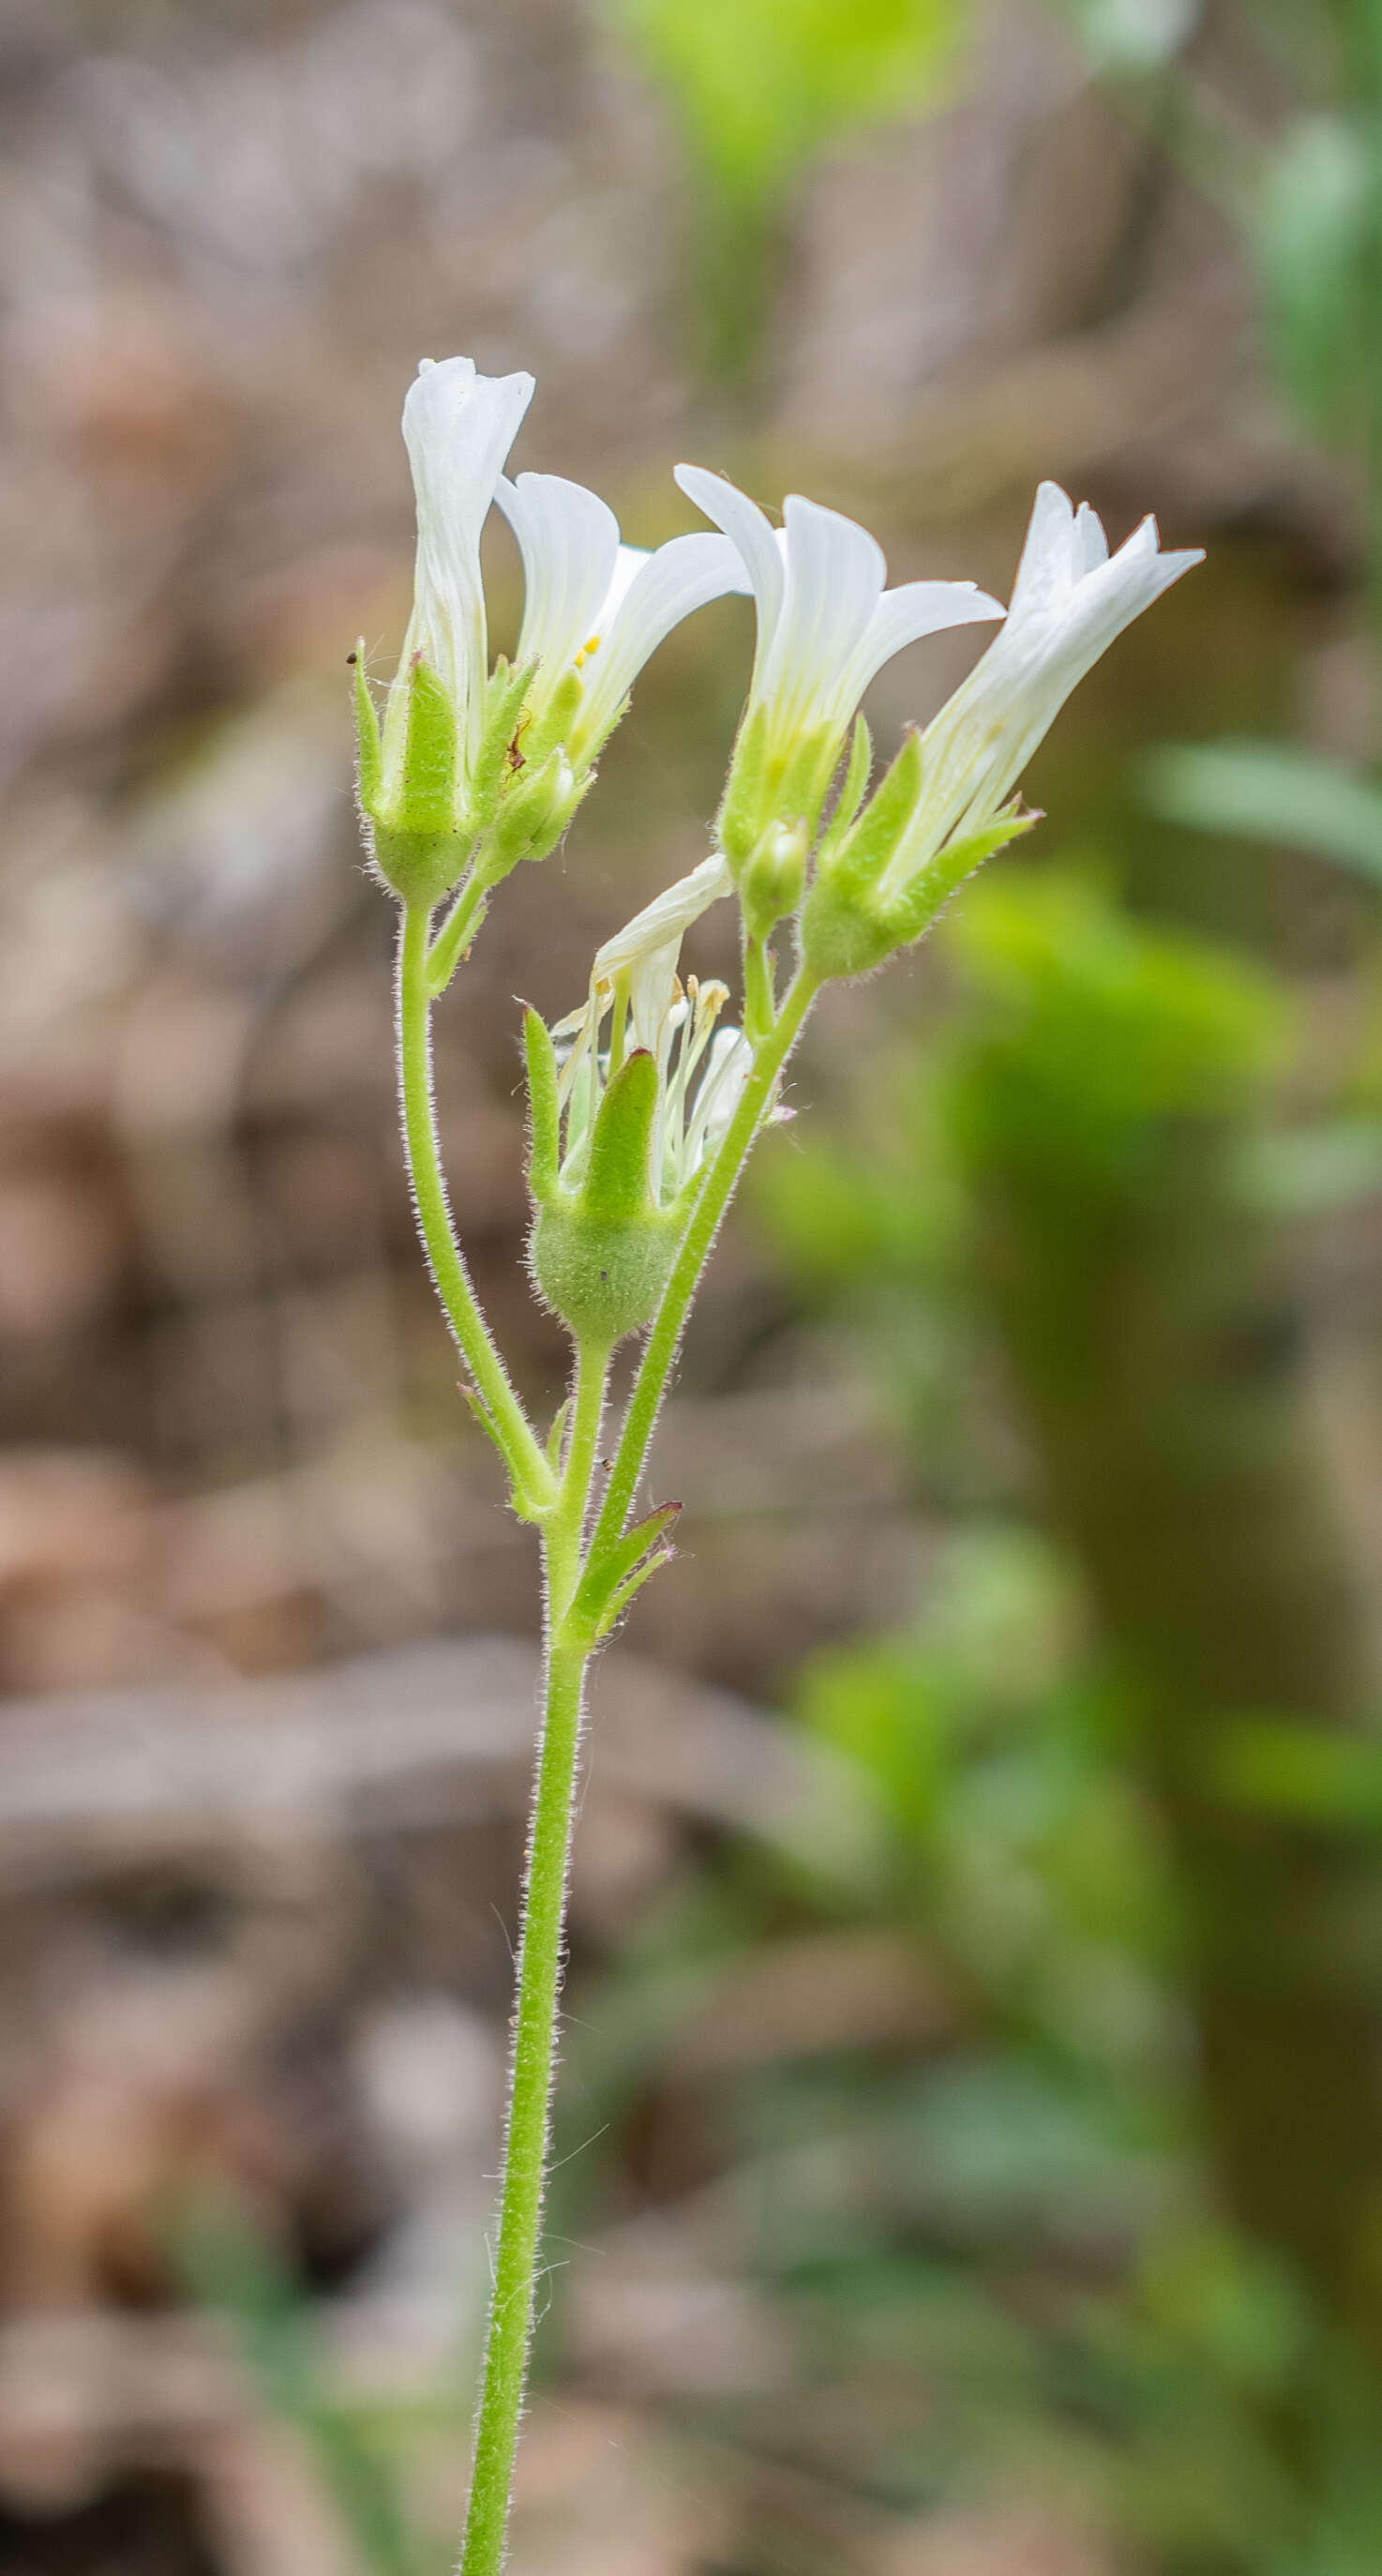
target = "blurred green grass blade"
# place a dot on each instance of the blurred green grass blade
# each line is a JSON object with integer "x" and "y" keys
{"x": 1316, "y": 1776}
{"x": 1314, "y": 239}
{"x": 1266, "y": 791}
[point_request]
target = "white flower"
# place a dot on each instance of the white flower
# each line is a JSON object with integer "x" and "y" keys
{"x": 594, "y": 610}
{"x": 458, "y": 427}
{"x": 701, "y": 1069}
{"x": 826, "y": 624}
{"x": 1070, "y": 600}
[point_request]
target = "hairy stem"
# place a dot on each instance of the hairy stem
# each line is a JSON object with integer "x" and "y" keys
{"x": 527, "y": 1465}
{"x": 669, "y": 1323}
{"x": 510, "y": 2331}
{"x": 457, "y": 931}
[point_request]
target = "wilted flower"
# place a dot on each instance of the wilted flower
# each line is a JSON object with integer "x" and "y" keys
{"x": 947, "y": 801}
{"x": 622, "y": 1123}
{"x": 701, "y": 1068}
{"x": 826, "y": 626}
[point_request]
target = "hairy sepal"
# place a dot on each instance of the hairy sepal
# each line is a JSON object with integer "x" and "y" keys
{"x": 600, "y": 1253}
{"x": 419, "y": 840}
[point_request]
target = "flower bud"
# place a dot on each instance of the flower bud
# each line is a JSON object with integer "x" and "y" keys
{"x": 536, "y": 811}
{"x": 771, "y": 885}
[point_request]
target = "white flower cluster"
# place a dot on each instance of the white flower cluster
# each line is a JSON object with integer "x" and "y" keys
{"x": 472, "y": 760}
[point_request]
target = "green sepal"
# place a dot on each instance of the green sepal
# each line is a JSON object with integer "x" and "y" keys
{"x": 844, "y": 931}
{"x": 618, "y": 1176}
{"x": 771, "y": 885}
{"x": 806, "y": 777}
{"x": 558, "y": 717}
{"x": 914, "y": 910}
{"x": 369, "y": 751}
{"x": 739, "y": 823}
{"x": 607, "y": 1586}
{"x": 501, "y": 753}
{"x": 850, "y": 923}
{"x": 419, "y": 842}
{"x": 590, "y": 745}
{"x": 544, "y": 1116}
{"x": 853, "y": 787}
{"x": 600, "y": 1254}
{"x": 427, "y": 803}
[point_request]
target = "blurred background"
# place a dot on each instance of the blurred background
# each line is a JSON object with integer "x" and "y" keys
{"x": 971, "y": 2115}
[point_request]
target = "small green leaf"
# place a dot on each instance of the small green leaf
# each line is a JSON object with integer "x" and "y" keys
{"x": 619, "y": 1600}
{"x": 616, "y": 1567}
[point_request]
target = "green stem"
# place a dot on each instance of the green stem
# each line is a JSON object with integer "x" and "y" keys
{"x": 527, "y": 1465}
{"x": 457, "y": 931}
{"x": 669, "y": 1322}
{"x": 510, "y": 2331}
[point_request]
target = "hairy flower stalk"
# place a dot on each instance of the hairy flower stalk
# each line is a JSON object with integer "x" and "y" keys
{"x": 646, "y": 1101}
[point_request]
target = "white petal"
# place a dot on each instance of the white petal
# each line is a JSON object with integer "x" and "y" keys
{"x": 903, "y": 616}
{"x": 668, "y": 916}
{"x": 652, "y": 990}
{"x": 728, "y": 1066}
{"x": 628, "y": 564}
{"x": 835, "y": 577}
{"x": 1091, "y": 544}
{"x": 569, "y": 541}
{"x": 458, "y": 427}
{"x": 1057, "y": 627}
{"x": 661, "y": 589}
{"x": 751, "y": 533}
{"x": 1046, "y": 569}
